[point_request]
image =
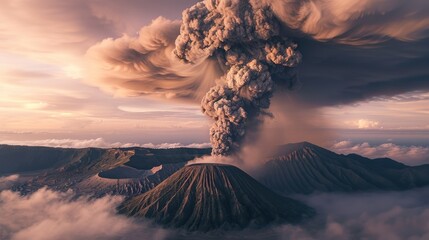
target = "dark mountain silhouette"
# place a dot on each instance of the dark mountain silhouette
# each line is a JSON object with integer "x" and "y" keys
{"x": 204, "y": 197}
{"x": 293, "y": 168}
{"x": 21, "y": 159}
{"x": 127, "y": 171}
{"x": 306, "y": 168}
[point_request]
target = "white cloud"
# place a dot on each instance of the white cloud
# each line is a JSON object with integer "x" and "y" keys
{"x": 364, "y": 123}
{"x": 49, "y": 215}
{"x": 199, "y": 145}
{"x": 35, "y": 105}
{"x": 176, "y": 145}
{"x": 411, "y": 155}
{"x": 73, "y": 71}
{"x": 99, "y": 143}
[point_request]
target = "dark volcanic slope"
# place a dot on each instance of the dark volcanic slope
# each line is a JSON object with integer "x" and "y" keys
{"x": 204, "y": 197}
{"x": 19, "y": 159}
{"x": 84, "y": 164}
{"x": 93, "y": 170}
{"x": 306, "y": 168}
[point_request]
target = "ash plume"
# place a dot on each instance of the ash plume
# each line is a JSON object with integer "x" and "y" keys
{"x": 244, "y": 37}
{"x": 146, "y": 65}
{"x": 233, "y": 54}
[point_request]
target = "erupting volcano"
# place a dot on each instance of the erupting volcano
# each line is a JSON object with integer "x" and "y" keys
{"x": 244, "y": 37}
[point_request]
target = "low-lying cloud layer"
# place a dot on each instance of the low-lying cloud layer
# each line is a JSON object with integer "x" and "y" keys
{"x": 99, "y": 143}
{"x": 410, "y": 155}
{"x": 48, "y": 215}
{"x": 375, "y": 216}
{"x": 384, "y": 215}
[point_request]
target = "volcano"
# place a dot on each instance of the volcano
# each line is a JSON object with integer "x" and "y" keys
{"x": 205, "y": 197}
{"x": 304, "y": 168}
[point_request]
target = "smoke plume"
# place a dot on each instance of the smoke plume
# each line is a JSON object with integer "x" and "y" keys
{"x": 232, "y": 55}
{"x": 355, "y": 22}
{"x": 146, "y": 65}
{"x": 244, "y": 37}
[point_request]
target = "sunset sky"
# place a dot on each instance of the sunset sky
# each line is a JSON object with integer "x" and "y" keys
{"x": 352, "y": 92}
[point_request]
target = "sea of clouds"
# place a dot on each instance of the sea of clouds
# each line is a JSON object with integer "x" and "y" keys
{"x": 47, "y": 214}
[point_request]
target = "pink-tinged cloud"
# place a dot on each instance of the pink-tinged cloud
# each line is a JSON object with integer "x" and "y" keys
{"x": 376, "y": 216}
{"x": 146, "y": 65}
{"x": 49, "y": 215}
{"x": 98, "y": 143}
{"x": 411, "y": 155}
{"x": 49, "y": 25}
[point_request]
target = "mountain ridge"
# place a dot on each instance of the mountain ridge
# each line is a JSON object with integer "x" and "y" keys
{"x": 301, "y": 168}
{"x": 305, "y": 168}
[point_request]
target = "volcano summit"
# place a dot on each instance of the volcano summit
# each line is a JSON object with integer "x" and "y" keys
{"x": 204, "y": 197}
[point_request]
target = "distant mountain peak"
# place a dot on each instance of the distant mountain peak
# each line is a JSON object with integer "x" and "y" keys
{"x": 299, "y": 145}
{"x": 305, "y": 168}
{"x": 204, "y": 197}
{"x": 297, "y": 150}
